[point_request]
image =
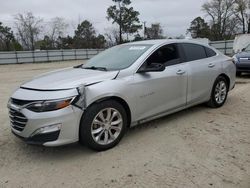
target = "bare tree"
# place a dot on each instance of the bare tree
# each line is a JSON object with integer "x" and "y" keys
{"x": 57, "y": 28}
{"x": 221, "y": 13}
{"x": 28, "y": 28}
{"x": 112, "y": 36}
{"x": 241, "y": 7}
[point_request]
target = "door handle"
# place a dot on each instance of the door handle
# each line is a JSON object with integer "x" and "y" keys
{"x": 180, "y": 72}
{"x": 211, "y": 65}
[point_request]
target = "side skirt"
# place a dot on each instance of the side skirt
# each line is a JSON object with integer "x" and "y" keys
{"x": 151, "y": 118}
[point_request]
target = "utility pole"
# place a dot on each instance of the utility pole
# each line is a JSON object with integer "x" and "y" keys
{"x": 248, "y": 14}
{"x": 145, "y": 29}
{"x": 120, "y": 23}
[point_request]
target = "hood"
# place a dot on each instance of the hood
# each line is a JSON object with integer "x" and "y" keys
{"x": 240, "y": 42}
{"x": 68, "y": 79}
{"x": 243, "y": 55}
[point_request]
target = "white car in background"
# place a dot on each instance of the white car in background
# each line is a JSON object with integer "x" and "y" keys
{"x": 122, "y": 87}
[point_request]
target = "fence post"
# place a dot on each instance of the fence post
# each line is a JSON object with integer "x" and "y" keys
{"x": 75, "y": 54}
{"x": 33, "y": 56}
{"x": 62, "y": 55}
{"x": 47, "y": 52}
{"x": 16, "y": 57}
{"x": 87, "y": 54}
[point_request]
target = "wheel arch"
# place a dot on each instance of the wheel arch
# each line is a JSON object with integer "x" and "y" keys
{"x": 227, "y": 78}
{"x": 120, "y": 101}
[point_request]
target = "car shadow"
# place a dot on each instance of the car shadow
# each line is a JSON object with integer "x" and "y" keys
{"x": 244, "y": 76}
{"x": 74, "y": 151}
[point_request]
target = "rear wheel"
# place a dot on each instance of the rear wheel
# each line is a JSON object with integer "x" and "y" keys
{"x": 219, "y": 93}
{"x": 103, "y": 125}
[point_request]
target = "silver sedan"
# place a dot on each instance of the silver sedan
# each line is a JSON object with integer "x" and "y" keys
{"x": 121, "y": 87}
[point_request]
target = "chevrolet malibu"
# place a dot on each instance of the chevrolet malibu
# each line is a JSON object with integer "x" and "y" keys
{"x": 95, "y": 103}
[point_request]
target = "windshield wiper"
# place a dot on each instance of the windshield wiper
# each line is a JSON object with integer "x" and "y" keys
{"x": 78, "y": 66}
{"x": 96, "y": 68}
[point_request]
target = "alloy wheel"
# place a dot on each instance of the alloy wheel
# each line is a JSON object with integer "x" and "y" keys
{"x": 106, "y": 126}
{"x": 220, "y": 92}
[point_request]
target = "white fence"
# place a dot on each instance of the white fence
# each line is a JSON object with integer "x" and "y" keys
{"x": 46, "y": 55}
{"x": 225, "y": 46}
{"x": 13, "y": 57}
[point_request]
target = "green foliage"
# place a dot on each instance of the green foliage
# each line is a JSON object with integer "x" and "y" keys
{"x": 138, "y": 37}
{"x": 85, "y": 36}
{"x": 99, "y": 42}
{"x": 65, "y": 43}
{"x": 199, "y": 28}
{"x": 7, "y": 39}
{"x": 45, "y": 44}
{"x": 154, "y": 32}
{"x": 126, "y": 17}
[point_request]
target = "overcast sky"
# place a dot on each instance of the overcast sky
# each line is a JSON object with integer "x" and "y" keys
{"x": 174, "y": 15}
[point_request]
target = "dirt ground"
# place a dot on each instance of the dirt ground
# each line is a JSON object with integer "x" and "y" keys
{"x": 198, "y": 147}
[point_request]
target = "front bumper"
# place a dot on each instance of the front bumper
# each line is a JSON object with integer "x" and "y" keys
{"x": 53, "y": 128}
{"x": 243, "y": 67}
{"x": 40, "y": 139}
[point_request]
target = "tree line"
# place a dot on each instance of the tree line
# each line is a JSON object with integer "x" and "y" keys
{"x": 32, "y": 33}
{"x": 223, "y": 20}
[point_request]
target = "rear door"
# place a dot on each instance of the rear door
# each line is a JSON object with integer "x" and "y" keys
{"x": 203, "y": 70}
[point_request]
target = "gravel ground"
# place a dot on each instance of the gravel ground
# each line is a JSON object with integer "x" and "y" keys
{"x": 198, "y": 147}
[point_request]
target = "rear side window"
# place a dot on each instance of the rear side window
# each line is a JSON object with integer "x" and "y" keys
{"x": 210, "y": 52}
{"x": 194, "y": 52}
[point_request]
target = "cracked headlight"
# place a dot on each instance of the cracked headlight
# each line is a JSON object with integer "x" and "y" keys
{"x": 47, "y": 106}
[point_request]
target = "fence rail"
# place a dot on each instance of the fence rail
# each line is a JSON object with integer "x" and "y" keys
{"x": 18, "y": 57}
{"x": 225, "y": 46}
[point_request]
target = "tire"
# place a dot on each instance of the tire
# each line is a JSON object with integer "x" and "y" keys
{"x": 96, "y": 130}
{"x": 219, "y": 93}
{"x": 238, "y": 73}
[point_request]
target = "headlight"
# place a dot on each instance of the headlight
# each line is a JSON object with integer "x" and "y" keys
{"x": 47, "y": 106}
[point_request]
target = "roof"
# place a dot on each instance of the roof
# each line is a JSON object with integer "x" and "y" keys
{"x": 165, "y": 41}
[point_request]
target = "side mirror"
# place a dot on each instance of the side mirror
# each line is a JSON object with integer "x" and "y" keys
{"x": 244, "y": 49}
{"x": 154, "y": 67}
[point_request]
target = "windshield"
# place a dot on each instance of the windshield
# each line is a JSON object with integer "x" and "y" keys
{"x": 118, "y": 57}
{"x": 247, "y": 49}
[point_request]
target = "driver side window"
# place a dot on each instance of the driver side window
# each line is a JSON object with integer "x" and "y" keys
{"x": 167, "y": 55}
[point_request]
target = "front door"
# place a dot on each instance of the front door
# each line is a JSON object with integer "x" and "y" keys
{"x": 160, "y": 92}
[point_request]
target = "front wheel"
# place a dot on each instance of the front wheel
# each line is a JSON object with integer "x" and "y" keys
{"x": 219, "y": 93}
{"x": 103, "y": 125}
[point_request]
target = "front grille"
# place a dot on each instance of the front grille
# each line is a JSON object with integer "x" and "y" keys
{"x": 17, "y": 120}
